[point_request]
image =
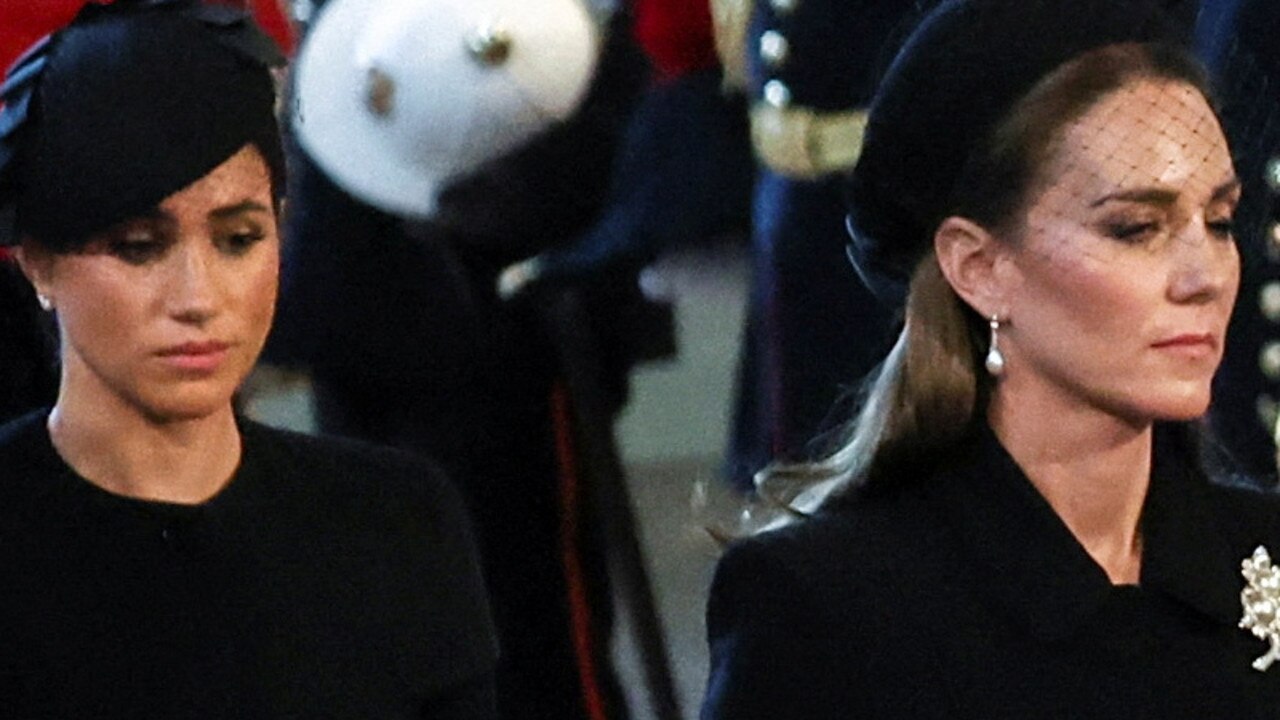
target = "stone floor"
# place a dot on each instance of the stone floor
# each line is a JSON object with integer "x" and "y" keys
{"x": 671, "y": 436}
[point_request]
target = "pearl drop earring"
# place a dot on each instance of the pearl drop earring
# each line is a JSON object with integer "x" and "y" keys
{"x": 995, "y": 359}
{"x": 45, "y": 303}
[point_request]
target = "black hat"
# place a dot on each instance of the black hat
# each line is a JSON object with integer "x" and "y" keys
{"x": 131, "y": 102}
{"x": 956, "y": 76}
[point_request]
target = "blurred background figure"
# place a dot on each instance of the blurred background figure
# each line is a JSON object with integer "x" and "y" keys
{"x": 813, "y": 329}
{"x": 434, "y": 148}
{"x": 682, "y": 175}
{"x": 1236, "y": 41}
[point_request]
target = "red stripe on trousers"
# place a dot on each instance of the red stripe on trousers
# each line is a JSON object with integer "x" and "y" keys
{"x": 579, "y": 605}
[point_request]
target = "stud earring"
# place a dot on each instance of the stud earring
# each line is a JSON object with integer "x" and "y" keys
{"x": 45, "y": 303}
{"x": 995, "y": 359}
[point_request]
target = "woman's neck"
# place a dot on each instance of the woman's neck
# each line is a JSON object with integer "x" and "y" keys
{"x": 1092, "y": 468}
{"x": 124, "y": 452}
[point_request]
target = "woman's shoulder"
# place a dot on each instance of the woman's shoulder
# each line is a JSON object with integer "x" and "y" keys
{"x": 334, "y": 458}
{"x": 816, "y": 594}
{"x": 847, "y": 548}
{"x": 353, "y": 477}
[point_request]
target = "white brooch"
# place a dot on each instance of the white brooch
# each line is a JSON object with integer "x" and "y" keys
{"x": 1261, "y": 601}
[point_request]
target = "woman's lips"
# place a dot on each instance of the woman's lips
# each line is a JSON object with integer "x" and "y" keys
{"x": 204, "y": 356}
{"x": 1191, "y": 344}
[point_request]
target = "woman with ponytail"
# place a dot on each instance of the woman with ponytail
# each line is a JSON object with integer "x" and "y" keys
{"x": 1019, "y": 524}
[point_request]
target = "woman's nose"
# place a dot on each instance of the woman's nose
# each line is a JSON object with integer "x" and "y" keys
{"x": 1206, "y": 265}
{"x": 192, "y": 295}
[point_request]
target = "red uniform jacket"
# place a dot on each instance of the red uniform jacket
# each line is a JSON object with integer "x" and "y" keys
{"x": 22, "y": 23}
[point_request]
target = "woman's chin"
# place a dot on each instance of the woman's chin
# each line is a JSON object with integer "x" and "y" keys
{"x": 187, "y": 407}
{"x": 1192, "y": 406}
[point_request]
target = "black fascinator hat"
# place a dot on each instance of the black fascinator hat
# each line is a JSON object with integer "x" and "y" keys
{"x": 131, "y": 102}
{"x": 956, "y": 76}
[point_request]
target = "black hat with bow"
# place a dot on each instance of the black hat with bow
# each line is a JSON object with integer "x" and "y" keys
{"x": 130, "y": 103}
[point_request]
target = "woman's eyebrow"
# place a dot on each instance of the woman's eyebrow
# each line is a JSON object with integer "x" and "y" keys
{"x": 237, "y": 209}
{"x": 1148, "y": 195}
{"x": 1162, "y": 196}
{"x": 1226, "y": 189}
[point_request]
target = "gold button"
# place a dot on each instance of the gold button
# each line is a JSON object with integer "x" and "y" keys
{"x": 777, "y": 94}
{"x": 784, "y": 7}
{"x": 774, "y": 48}
{"x": 1273, "y": 174}
{"x": 1269, "y": 301}
{"x": 1269, "y": 360}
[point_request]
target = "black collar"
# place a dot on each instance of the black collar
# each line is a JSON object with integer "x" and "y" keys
{"x": 1035, "y": 569}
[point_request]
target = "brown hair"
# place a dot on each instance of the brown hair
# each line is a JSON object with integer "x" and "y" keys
{"x": 930, "y": 391}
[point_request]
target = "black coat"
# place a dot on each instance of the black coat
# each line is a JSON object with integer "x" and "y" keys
{"x": 328, "y": 579}
{"x": 963, "y": 595}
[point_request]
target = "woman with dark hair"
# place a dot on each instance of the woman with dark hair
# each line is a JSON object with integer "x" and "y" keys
{"x": 1018, "y": 525}
{"x": 161, "y": 557}
{"x": 28, "y": 378}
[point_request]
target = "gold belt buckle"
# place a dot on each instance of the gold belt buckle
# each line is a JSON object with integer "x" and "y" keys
{"x": 805, "y": 144}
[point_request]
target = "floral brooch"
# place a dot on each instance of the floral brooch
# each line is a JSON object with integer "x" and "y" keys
{"x": 1261, "y": 601}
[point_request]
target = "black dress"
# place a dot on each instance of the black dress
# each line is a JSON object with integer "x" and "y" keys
{"x": 327, "y": 580}
{"x": 963, "y": 595}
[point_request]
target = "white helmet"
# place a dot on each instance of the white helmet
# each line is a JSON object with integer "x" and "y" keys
{"x": 395, "y": 98}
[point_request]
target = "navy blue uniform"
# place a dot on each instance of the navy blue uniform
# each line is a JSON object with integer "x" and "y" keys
{"x": 813, "y": 330}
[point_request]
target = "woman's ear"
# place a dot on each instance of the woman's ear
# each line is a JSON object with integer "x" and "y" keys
{"x": 974, "y": 262}
{"x": 37, "y": 265}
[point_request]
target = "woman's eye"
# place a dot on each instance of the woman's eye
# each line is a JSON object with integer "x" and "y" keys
{"x": 238, "y": 243}
{"x": 1224, "y": 228}
{"x": 1132, "y": 231}
{"x": 136, "y": 250}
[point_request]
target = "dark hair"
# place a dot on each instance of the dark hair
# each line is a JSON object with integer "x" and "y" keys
{"x": 926, "y": 397}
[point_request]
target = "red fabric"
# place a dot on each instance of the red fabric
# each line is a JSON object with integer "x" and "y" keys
{"x": 582, "y": 630}
{"x": 22, "y": 22}
{"x": 271, "y": 16}
{"x": 676, "y": 35}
